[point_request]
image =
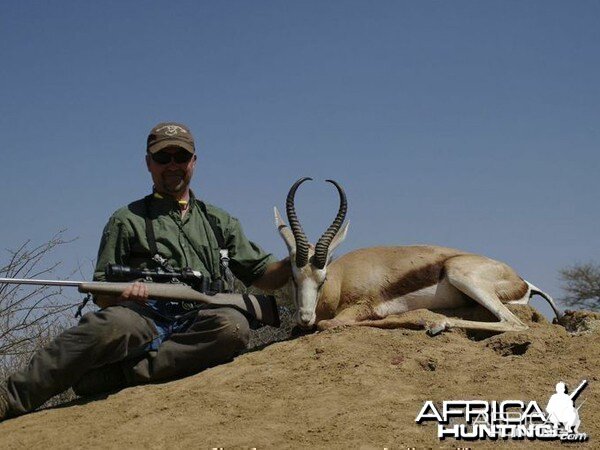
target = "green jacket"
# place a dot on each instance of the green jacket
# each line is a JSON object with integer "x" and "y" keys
{"x": 184, "y": 242}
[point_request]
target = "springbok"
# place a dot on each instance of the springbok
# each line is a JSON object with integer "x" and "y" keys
{"x": 374, "y": 286}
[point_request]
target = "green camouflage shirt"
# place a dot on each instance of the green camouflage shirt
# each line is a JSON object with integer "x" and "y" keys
{"x": 184, "y": 242}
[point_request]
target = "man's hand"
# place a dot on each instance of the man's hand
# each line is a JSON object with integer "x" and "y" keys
{"x": 136, "y": 292}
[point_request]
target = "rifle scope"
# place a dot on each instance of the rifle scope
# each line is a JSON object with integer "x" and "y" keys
{"x": 117, "y": 272}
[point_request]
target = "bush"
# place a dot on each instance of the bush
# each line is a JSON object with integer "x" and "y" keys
{"x": 581, "y": 283}
{"x": 30, "y": 316}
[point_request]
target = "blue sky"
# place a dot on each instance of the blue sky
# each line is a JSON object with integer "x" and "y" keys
{"x": 460, "y": 123}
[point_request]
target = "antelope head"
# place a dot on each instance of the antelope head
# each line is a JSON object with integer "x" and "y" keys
{"x": 309, "y": 263}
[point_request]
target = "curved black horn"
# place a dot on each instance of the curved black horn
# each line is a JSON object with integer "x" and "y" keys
{"x": 299, "y": 236}
{"x": 322, "y": 247}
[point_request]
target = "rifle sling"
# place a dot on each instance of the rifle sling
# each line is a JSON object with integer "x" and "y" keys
{"x": 150, "y": 236}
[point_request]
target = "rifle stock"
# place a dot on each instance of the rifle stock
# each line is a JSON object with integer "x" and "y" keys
{"x": 261, "y": 307}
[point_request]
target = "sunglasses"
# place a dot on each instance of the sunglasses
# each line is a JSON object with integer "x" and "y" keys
{"x": 179, "y": 157}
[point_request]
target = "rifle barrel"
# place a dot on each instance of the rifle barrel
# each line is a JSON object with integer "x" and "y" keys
{"x": 578, "y": 389}
{"x": 40, "y": 282}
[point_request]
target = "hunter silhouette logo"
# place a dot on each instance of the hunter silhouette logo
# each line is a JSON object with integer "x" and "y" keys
{"x": 172, "y": 130}
{"x": 508, "y": 419}
{"x": 561, "y": 408}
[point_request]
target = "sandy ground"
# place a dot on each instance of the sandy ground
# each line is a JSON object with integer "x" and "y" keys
{"x": 346, "y": 388}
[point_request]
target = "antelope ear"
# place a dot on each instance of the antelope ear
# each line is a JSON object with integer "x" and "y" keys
{"x": 338, "y": 238}
{"x": 285, "y": 232}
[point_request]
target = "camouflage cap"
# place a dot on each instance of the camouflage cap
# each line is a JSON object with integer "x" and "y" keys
{"x": 170, "y": 134}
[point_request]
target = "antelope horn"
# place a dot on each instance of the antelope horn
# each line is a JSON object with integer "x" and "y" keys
{"x": 299, "y": 236}
{"x": 322, "y": 247}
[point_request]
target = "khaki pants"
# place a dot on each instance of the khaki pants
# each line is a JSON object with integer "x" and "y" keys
{"x": 119, "y": 335}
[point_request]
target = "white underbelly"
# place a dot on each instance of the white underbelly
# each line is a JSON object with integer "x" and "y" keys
{"x": 437, "y": 296}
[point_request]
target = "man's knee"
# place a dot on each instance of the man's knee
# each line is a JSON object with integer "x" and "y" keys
{"x": 116, "y": 323}
{"x": 235, "y": 329}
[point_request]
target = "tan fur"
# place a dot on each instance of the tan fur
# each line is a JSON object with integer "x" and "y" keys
{"x": 508, "y": 292}
{"x": 371, "y": 274}
{"x": 363, "y": 279}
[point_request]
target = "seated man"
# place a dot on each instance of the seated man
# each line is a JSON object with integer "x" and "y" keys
{"x": 133, "y": 339}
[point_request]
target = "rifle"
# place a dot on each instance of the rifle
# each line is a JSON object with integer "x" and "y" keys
{"x": 578, "y": 390}
{"x": 263, "y": 308}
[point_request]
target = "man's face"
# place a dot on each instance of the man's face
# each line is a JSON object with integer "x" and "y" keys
{"x": 172, "y": 177}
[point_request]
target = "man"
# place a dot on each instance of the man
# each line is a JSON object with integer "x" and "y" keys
{"x": 136, "y": 340}
{"x": 561, "y": 409}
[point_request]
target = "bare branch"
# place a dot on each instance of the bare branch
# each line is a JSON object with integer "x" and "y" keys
{"x": 29, "y": 315}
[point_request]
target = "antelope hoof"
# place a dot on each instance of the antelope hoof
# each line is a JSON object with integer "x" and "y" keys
{"x": 436, "y": 329}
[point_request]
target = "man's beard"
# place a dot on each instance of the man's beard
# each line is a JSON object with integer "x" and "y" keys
{"x": 174, "y": 182}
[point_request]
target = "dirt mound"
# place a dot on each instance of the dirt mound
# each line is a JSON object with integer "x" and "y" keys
{"x": 345, "y": 388}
